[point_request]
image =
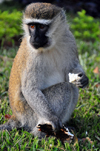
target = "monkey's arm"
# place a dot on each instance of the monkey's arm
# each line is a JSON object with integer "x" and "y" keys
{"x": 37, "y": 101}
{"x": 83, "y": 81}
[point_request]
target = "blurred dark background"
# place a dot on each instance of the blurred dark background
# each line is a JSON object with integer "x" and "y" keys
{"x": 11, "y": 13}
{"x": 92, "y": 7}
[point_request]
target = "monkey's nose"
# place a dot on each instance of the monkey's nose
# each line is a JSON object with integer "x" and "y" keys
{"x": 37, "y": 40}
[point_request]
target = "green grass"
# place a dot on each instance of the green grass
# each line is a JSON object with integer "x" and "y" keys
{"x": 86, "y": 116}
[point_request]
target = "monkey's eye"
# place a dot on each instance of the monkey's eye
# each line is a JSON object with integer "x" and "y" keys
{"x": 41, "y": 26}
{"x": 32, "y": 26}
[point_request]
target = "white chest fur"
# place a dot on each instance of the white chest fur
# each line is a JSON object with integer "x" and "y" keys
{"x": 53, "y": 79}
{"x": 54, "y": 69}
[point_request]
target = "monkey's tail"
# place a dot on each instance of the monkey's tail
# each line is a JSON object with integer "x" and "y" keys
{"x": 12, "y": 123}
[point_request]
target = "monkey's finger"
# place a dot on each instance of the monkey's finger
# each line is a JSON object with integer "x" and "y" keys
{"x": 81, "y": 85}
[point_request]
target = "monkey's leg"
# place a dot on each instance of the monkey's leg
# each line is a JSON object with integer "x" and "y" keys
{"x": 23, "y": 116}
{"x": 62, "y": 98}
{"x": 12, "y": 123}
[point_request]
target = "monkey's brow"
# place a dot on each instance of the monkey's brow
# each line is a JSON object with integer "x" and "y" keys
{"x": 32, "y": 23}
{"x": 35, "y": 23}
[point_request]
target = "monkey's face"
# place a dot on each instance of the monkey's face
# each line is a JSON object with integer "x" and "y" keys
{"x": 44, "y": 25}
{"x": 38, "y": 36}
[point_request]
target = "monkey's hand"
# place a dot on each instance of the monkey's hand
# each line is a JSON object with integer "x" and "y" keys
{"x": 82, "y": 81}
{"x": 53, "y": 121}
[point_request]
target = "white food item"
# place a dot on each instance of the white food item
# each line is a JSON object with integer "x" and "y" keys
{"x": 68, "y": 132}
{"x": 73, "y": 77}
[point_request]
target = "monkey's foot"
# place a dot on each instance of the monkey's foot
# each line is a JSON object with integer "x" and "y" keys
{"x": 63, "y": 134}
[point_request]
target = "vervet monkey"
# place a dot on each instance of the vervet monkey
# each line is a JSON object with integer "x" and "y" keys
{"x": 39, "y": 88}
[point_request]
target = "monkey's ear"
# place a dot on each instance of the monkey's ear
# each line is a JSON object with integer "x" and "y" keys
{"x": 62, "y": 15}
{"x": 57, "y": 22}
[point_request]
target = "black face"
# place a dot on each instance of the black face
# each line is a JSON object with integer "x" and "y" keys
{"x": 38, "y": 35}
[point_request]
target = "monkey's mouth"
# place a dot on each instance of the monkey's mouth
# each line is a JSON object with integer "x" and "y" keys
{"x": 41, "y": 45}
